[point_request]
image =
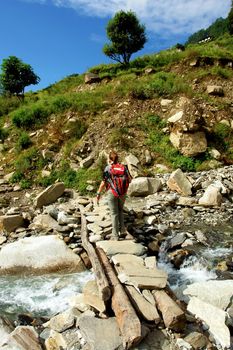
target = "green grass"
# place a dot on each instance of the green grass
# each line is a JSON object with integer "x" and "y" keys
{"x": 73, "y": 179}
{"x": 161, "y": 84}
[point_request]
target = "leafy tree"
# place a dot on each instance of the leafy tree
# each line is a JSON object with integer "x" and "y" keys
{"x": 16, "y": 75}
{"x": 230, "y": 19}
{"x": 127, "y": 36}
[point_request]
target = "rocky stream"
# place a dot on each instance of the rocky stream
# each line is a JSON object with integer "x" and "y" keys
{"x": 173, "y": 269}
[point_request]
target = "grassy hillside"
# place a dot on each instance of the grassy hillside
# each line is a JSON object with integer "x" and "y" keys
{"x": 45, "y": 136}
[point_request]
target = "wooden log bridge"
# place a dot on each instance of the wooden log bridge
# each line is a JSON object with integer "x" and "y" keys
{"x": 101, "y": 279}
{"x": 109, "y": 286}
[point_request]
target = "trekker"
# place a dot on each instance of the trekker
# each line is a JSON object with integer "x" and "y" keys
{"x": 116, "y": 179}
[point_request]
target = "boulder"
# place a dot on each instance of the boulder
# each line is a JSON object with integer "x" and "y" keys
{"x": 214, "y": 318}
{"x": 142, "y": 277}
{"x": 196, "y": 340}
{"x": 217, "y": 293}
{"x": 133, "y": 164}
{"x": 5, "y": 330}
{"x": 44, "y": 222}
{"x": 154, "y": 184}
{"x": 64, "y": 320}
{"x": 121, "y": 247}
{"x": 179, "y": 182}
{"x": 23, "y": 338}
{"x": 139, "y": 187}
{"x": 9, "y": 223}
{"x": 87, "y": 162}
{"x": 211, "y": 197}
{"x": 50, "y": 194}
{"x": 100, "y": 333}
{"x": 190, "y": 144}
{"x": 38, "y": 255}
{"x": 215, "y": 90}
{"x": 92, "y": 298}
{"x": 91, "y": 78}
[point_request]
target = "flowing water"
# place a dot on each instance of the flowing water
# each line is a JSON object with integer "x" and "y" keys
{"x": 194, "y": 269}
{"x": 39, "y": 295}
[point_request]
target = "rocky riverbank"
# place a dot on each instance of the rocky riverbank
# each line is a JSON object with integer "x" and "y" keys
{"x": 174, "y": 213}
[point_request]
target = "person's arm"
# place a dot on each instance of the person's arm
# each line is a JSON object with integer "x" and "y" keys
{"x": 101, "y": 188}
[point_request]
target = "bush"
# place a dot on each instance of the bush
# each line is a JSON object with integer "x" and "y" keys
{"x": 29, "y": 117}
{"x": 8, "y": 104}
{"x": 3, "y": 134}
{"x": 162, "y": 84}
{"x": 23, "y": 142}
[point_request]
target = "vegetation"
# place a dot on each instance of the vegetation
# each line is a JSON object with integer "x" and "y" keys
{"x": 65, "y": 111}
{"x": 214, "y": 31}
{"x": 127, "y": 36}
{"x": 16, "y": 75}
{"x": 230, "y": 19}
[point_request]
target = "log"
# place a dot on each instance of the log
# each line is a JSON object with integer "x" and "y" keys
{"x": 101, "y": 279}
{"x": 127, "y": 319}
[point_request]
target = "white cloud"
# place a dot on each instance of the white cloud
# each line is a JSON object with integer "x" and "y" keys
{"x": 159, "y": 16}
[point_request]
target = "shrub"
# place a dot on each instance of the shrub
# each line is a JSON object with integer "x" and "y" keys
{"x": 8, "y": 104}
{"x": 162, "y": 84}
{"x": 24, "y": 141}
{"x": 29, "y": 117}
{"x": 3, "y": 134}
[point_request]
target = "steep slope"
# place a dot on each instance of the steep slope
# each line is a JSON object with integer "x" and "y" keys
{"x": 49, "y": 134}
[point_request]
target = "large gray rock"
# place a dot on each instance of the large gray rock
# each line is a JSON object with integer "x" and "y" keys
{"x": 38, "y": 255}
{"x": 179, "y": 182}
{"x": 133, "y": 164}
{"x": 189, "y": 143}
{"x": 91, "y": 296}
{"x": 87, "y": 162}
{"x": 5, "y": 330}
{"x": 215, "y": 90}
{"x": 121, "y": 247}
{"x": 214, "y": 318}
{"x": 91, "y": 78}
{"x": 11, "y": 222}
{"x": 44, "y": 221}
{"x": 154, "y": 184}
{"x": 211, "y": 197}
{"x": 63, "y": 321}
{"x": 141, "y": 277}
{"x": 139, "y": 187}
{"x": 50, "y": 195}
{"x": 217, "y": 293}
{"x": 23, "y": 338}
{"x": 100, "y": 334}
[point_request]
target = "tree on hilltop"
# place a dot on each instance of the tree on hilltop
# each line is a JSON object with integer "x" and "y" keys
{"x": 16, "y": 75}
{"x": 127, "y": 36}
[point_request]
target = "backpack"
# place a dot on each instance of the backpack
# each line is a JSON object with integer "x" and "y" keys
{"x": 119, "y": 179}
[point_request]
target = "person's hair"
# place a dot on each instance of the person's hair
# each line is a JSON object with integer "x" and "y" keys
{"x": 113, "y": 156}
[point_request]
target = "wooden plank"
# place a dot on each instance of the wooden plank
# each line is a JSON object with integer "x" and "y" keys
{"x": 126, "y": 316}
{"x": 101, "y": 279}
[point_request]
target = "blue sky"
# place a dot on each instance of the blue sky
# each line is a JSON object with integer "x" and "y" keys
{"x": 61, "y": 37}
